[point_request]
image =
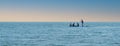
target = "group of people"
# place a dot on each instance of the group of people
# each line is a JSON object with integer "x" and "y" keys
{"x": 77, "y": 24}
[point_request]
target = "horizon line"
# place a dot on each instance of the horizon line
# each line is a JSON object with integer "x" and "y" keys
{"x": 59, "y": 21}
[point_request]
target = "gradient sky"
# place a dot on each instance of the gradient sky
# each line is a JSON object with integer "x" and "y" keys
{"x": 59, "y": 10}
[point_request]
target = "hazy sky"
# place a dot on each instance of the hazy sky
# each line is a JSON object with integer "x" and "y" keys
{"x": 59, "y": 10}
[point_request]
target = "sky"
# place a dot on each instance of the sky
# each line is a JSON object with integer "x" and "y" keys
{"x": 59, "y": 10}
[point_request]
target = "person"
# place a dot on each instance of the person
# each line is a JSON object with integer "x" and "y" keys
{"x": 74, "y": 24}
{"x": 82, "y": 22}
{"x": 71, "y": 25}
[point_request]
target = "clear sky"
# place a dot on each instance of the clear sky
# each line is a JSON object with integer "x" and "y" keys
{"x": 59, "y": 10}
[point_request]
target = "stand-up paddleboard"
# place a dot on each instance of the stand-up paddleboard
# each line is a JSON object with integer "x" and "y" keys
{"x": 77, "y": 24}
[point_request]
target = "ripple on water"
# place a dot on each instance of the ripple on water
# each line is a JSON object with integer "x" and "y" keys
{"x": 54, "y": 45}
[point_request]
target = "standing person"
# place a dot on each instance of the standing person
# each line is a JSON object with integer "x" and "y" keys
{"x": 82, "y": 22}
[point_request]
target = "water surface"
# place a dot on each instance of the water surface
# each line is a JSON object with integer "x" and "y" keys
{"x": 59, "y": 34}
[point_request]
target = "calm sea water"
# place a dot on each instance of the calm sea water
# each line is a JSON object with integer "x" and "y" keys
{"x": 59, "y": 34}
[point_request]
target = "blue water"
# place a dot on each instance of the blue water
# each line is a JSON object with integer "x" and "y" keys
{"x": 59, "y": 34}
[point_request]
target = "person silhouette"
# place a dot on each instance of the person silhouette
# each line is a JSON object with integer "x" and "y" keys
{"x": 82, "y": 22}
{"x": 73, "y": 25}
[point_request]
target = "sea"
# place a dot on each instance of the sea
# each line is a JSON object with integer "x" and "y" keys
{"x": 59, "y": 34}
